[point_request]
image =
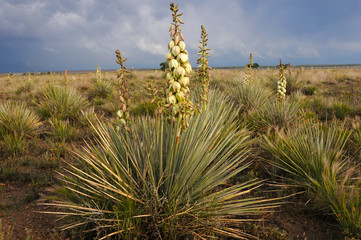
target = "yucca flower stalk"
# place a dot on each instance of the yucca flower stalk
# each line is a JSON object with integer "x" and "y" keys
{"x": 178, "y": 104}
{"x": 65, "y": 79}
{"x": 123, "y": 112}
{"x": 248, "y": 77}
{"x": 281, "y": 88}
{"x": 289, "y": 69}
{"x": 98, "y": 73}
{"x": 203, "y": 68}
{"x": 10, "y": 75}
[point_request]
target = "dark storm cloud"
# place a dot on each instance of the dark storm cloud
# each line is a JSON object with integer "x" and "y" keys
{"x": 57, "y": 34}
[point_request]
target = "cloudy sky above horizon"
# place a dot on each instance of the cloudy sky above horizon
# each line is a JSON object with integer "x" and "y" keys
{"x": 52, "y": 35}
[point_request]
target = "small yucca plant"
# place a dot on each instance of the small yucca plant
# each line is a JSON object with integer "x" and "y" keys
{"x": 61, "y": 103}
{"x": 310, "y": 152}
{"x": 17, "y": 120}
{"x": 275, "y": 115}
{"x": 345, "y": 202}
{"x": 148, "y": 183}
{"x": 313, "y": 155}
{"x": 250, "y": 97}
{"x": 17, "y": 124}
{"x": 61, "y": 130}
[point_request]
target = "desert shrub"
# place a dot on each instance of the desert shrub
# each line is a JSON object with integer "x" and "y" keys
{"x": 87, "y": 116}
{"x": 275, "y": 114}
{"x": 320, "y": 107}
{"x": 356, "y": 135}
{"x": 309, "y": 90}
{"x": 14, "y": 144}
{"x": 309, "y": 152}
{"x": 251, "y": 96}
{"x": 62, "y": 130}
{"x": 340, "y": 110}
{"x": 345, "y": 202}
{"x": 313, "y": 155}
{"x": 100, "y": 89}
{"x": 61, "y": 103}
{"x": 155, "y": 182}
{"x": 25, "y": 87}
{"x": 17, "y": 120}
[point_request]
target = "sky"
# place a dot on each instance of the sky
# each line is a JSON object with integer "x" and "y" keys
{"x": 54, "y": 35}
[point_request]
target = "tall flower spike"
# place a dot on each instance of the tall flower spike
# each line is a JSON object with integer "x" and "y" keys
{"x": 281, "y": 88}
{"x": 123, "y": 112}
{"x": 248, "y": 77}
{"x": 177, "y": 102}
{"x": 66, "y": 79}
{"x": 203, "y": 68}
{"x": 98, "y": 73}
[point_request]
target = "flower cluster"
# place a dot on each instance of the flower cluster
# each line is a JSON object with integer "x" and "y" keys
{"x": 203, "y": 68}
{"x": 281, "y": 88}
{"x": 178, "y": 104}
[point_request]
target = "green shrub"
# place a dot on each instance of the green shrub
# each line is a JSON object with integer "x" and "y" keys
{"x": 100, "y": 89}
{"x": 309, "y": 90}
{"x": 341, "y": 110}
{"x": 14, "y": 144}
{"x": 87, "y": 116}
{"x": 62, "y": 130}
{"x": 345, "y": 201}
{"x": 313, "y": 155}
{"x": 61, "y": 103}
{"x": 320, "y": 107}
{"x": 25, "y": 87}
{"x": 155, "y": 182}
{"x": 275, "y": 114}
{"x": 17, "y": 120}
{"x": 309, "y": 152}
{"x": 251, "y": 96}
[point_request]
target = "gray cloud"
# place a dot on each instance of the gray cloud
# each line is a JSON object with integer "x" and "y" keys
{"x": 56, "y": 34}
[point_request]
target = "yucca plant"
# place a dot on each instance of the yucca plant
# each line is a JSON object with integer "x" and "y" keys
{"x": 100, "y": 89}
{"x": 313, "y": 156}
{"x": 61, "y": 103}
{"x": 250, "y": 97}
{"x": 341, "y": 110}
{"x": 310, "y": 152}
{"x": 149, "y": 182}
{"x": 345, "y": 202}
{"x": 17, "y": 124}
{"x": 14, "y": 145}
{"x": 17, "y": 120}
{"x": 62, "y": 130}
{"x": 275, "y": 114}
